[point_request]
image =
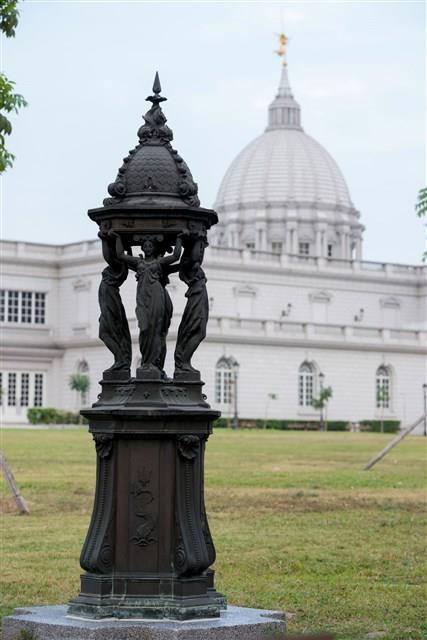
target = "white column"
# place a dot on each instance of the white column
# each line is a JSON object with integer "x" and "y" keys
{"x": 294, "y": 241}
{"x": 348, "y": 245}
{"x": 319, "y": 251}
{"x": 324, "y": 244}
{"x": 343, "y": 245}
{"x": 265, "y": 246}
{"x": 288, "y": 247}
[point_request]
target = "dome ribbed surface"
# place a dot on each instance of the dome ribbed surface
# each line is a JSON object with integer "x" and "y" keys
{"x": 283, "y": 166}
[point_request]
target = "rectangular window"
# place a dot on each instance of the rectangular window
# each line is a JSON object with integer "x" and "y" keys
{"x": 13, "y": 306}
{"x": 250, "y": 246}
{"x": 11, "y": 389}
{"x": 330, "y": 250}
{"x": 40, "y": 308}
{"x": 26, "y": 306}
{"x": 227, "y": 387}
{"x": 304, "y": 248}
{"x": 2, "y": 305}
{"x": 276, "y": 247}
{"x": 383, "y": 393}
{"x": 38, "y": 390}
{"x": 305, "y": 389}
{"x": 301, "y": 391}
{"x": 223, "y": 386}
{"x": 309, "y": 391}
{"x": 25, "y": 389}
{"x": 22, "y": 306}
{"x": 218, "y": 385}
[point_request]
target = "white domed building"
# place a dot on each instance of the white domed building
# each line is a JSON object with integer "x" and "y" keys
{"x": 285, "y": 193}
{"x": 292, "y": 304}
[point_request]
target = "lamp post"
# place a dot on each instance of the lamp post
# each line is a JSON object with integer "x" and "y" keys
{"x": 321, "y": 379}
{"x": 425, "y": 408}
{"x": 235, "y": 369}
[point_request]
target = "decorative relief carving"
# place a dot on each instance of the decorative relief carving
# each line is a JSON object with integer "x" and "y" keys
{"x": 144, "y": 535}
{"x": 320, "y": 296}
{"x": 103, "y": 444}
{"x": 188, "y": 446}
{"x": 175, "y": 395}
{"x": 142, "y": 498}
{"x": 122, "y": 393}
{"x": 106, "y": 554}
{"x": 192, "y": 555}
{"x": 390, "y": 303}
{"x": 81, "y": 285}
{"x": 245, "y": 290}
{"x": 97, "y": 553}
{"x": 180, "y": 557}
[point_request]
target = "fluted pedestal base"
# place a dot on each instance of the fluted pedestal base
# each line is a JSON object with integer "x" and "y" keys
{"x": 148, "y": 550}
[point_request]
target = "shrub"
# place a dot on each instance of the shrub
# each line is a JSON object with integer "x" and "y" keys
{"x": 390, "y": 426}
{"x": 336, "y": 425}
{"x": 49, "y": 415}
{"x": 283, "y": 425}
{"x": 220, "y": 423}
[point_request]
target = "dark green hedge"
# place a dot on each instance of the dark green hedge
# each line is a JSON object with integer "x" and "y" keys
{"x": 49, "y": 415}
{"x": 390, "y": 426}
{"x": 221, "y": 423}
{"x": 283, "y": 425}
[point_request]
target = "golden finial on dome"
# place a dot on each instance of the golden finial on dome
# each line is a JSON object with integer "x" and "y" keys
{"x": 281, "y": 51}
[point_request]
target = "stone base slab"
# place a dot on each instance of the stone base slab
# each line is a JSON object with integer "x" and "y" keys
{"x": 53, "y": 623}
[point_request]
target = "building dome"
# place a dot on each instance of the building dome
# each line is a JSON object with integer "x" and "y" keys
{"x": 284, "y": 166}
{"x": 284, "y": 192}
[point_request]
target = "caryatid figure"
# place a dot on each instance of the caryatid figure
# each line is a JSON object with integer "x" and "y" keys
{"x": 192, "y": 329}
{"x": 153, "y": 305}
{"x": 113, "y": 324}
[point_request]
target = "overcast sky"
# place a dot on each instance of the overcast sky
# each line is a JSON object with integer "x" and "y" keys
{"x": 357, "y": 69}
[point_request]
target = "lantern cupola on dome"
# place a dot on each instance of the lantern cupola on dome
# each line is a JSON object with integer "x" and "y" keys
{"x": 284, "y": 112}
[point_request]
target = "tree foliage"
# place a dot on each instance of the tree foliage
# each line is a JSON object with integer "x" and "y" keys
{"x": 8, "y": 17}
{"x": 421, "y": 209}
{"x": 9, "y": 100}
{"x": 79, "y": 382}
{"x": 324, "y": 395}
{"x": 421, "y": 205}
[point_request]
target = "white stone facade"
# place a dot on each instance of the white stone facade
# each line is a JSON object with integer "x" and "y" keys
{"x": 290, "y": 297}
{"x": 271, "y": 313}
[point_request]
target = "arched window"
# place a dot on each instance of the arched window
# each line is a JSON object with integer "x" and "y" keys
{"x": 223, "y": 381}
{"x": 82, "y": 367}
{"x": 305, "y": 384}
{"x": 383, "y": 387}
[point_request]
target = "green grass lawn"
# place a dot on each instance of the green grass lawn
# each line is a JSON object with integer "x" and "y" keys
{"x": 297, "y": 525}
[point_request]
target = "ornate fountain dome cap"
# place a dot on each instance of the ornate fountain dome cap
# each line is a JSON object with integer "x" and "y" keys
{"x": 153, "y": 174}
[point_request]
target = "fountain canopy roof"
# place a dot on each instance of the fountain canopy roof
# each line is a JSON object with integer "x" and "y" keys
{"x": 154, "y": 183}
